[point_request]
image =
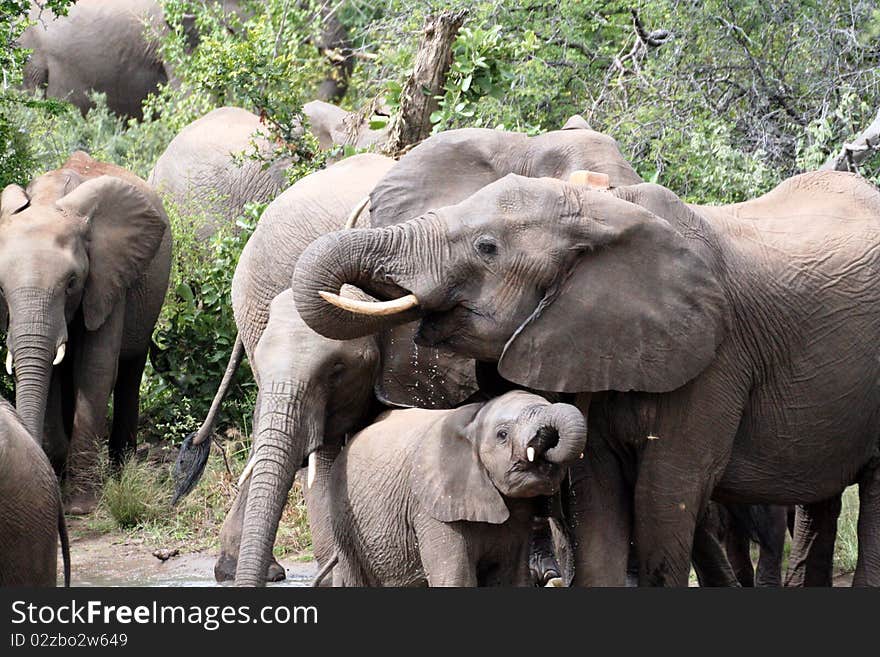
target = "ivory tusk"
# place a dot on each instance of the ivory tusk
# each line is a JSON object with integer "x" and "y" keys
{"x": 313, "y": 470}
{"x": 351, "y": 222}
{"x": 530, "y": 454}
{"x": 375, "y": 308}
{"x": 59, "y": 355}
{"x": 9, "y": 362}
{"x": 246, "y": 472}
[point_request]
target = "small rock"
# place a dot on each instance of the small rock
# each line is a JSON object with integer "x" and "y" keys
{"x": 165, "y": 554}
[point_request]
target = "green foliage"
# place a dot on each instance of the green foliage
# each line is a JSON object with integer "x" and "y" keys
{"x": 15, "y": 16}
{"x": 134, "y": 496}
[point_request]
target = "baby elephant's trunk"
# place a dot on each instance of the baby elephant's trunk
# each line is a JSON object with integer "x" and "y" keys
{"x": 571, "y": 427}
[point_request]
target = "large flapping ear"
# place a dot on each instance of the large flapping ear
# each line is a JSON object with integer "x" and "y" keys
{"x": 639, "y": 310}
{"x": 444, "y": 170}
{"x": 449, "y": 479}
{"x": 126, "y": 227}
{"x": 420, "y": 376}
{"x": 12, "y": 200}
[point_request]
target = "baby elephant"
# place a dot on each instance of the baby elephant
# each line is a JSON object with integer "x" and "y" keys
{"x": 446, "y": 498}
{"x": 30, "y": 509}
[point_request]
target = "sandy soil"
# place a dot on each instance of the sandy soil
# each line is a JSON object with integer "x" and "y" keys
{"x": 117, "y": 560}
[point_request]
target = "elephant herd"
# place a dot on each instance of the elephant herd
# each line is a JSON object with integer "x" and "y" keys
{"x": 499, "y": 360}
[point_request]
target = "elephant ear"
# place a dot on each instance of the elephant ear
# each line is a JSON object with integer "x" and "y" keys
{"x": 13, "y": 199}
{"x": 640, "y": 309}
{"x": 449, "y": 479}
{"x": 420, "y": 376}
{"x": 126, "y": 227}
{"x": 444, "y": 170}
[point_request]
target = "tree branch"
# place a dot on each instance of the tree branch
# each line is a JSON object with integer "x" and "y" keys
{"x": 856, "y": 152}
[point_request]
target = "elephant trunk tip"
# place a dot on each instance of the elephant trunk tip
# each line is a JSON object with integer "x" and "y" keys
{"x": 189, "y": 466}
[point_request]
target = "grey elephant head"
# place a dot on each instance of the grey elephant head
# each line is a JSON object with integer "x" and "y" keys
{"x": 568, "y": 289}
{"x": 312, "y": 391}
{"x": 515, "y": 446}
{"x": 70, "y": 245}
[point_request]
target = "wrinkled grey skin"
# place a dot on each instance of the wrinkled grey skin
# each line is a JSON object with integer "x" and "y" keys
{"x": 312, "y": 392}
{"x": 30, "y": 509}
{"x": 211, "y": 169}
{"x": 446, "y": 498}
{"x": 315, "y": 205}
{"x": 85, "y": 255}
{"x": 715, "y": 324}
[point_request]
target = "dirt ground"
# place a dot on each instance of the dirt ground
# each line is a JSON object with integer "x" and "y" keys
{"x": 117, "y": 560}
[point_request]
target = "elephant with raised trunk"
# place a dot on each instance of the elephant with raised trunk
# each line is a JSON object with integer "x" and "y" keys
{"x": 446, "y": 498}
{"x": 720, "y": 352}
{"x": 31, "y": 517}
{"x": 85, "y": 256}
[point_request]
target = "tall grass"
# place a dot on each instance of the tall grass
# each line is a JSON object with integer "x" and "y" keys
{"x": 846, "y": 548}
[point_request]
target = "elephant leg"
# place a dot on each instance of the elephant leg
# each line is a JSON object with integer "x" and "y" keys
{"x": 230, "y": 542}
{"x": 126, "y": 405}
{"x": 542, "y": 558}
{"x": 868, "y": 562}
{"x": 317, "y": 497}
{"x": 445, "y": 557}
{"x": 56, "y": 440}
{"x": 769, "y": 570}
{"x": 601, "y": 515}
{"x": 811, "y": 561}
{"x": 709, "y": 559}
{"x": 95, "y": 369}
{"x": 739, "y": 552}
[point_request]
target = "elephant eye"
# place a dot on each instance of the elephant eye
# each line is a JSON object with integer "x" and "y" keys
{"x": 486, "y": 246}
{"x": 502, "y": 435}
{"x": 71, "y": 283}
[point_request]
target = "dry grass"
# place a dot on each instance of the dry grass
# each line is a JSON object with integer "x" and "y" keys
{"x": 137, "y": 502}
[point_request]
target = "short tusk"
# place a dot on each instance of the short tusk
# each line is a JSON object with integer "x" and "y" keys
{"x": 352, "y": 220}
{"x": 313, "y": 470}
{"x": 9, "y": 362}
{"x": 248, "y": 469}
{"x": 530, "y": 454}
{"x": 59, "y": 355}
{"x": 375, "y": 308}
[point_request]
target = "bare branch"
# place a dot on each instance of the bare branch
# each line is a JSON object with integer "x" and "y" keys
{"x": 856, "y": 152}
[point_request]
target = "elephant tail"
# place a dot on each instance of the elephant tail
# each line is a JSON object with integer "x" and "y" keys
{"x": 196, "y": 447}
{"x": 65, "y": 545}
{"x": 325, "y": 570}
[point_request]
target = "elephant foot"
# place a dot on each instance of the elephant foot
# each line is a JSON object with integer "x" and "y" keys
{"x": 81, "y": 504}
{"x": 224, "y": 570}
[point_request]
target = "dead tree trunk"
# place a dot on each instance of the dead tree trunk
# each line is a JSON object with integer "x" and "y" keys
{"x": 417, "y": 100}
{"x": 860, "y": 149}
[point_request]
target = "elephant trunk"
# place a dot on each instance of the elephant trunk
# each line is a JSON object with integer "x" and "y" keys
{"x": 279, "y": 443}
{"x": 360, "y": 257}
{"x": 33, "y": 346}
{"x": 571, "y": 426}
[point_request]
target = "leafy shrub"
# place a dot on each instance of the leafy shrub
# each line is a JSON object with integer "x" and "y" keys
{"x": 134, "y": 496}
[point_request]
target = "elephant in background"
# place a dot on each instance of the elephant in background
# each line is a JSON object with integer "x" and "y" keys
{"x": 447, "y": 497}
{"x": 702, "y": 342}
{"x": 101, "y": 45}
{"x": 85, "y": 256}
{"x": 31, "y": 517}
{"x": 210, "y": 172}
{"x": 112, "y": 46}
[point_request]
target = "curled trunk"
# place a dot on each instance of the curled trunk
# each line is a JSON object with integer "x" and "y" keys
{"x": 571, "y": 426}
{"x": 358, "y": 257}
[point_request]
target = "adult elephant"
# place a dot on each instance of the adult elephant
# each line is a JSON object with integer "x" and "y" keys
{"x": 215, "y": 165}
{"x": 725, "y": 352}
{"x": 85, "y": 255}
{"x": 31, "y": 517}
{"x": 113, "y": 47}
{"x": 101, "y": 45}
{"x": 305, "y": 386}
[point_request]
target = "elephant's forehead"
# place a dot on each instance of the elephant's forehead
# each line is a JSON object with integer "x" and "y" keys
{"x": 517, "y": 196}
{"x": 44, "y": 225}
{"x": 515, "y": 406}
